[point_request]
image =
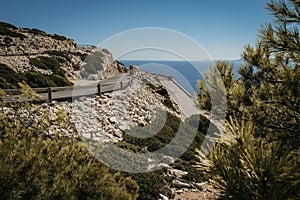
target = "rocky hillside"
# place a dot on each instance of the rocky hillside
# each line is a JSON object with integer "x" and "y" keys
{"x": 113, "y": 117}
{"x": 42, "y": 59}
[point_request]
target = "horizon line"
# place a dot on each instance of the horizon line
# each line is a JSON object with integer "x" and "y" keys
{"x": 215, "y": 60}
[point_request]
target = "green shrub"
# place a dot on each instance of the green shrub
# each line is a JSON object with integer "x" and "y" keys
{"x": 36, "y": 62}
{"x": 150, "y": 184}
{"x": 201, "y": 123}
{"x": 59, "y": 81}
{"x": 36, "y": 79}
{"x": 44, "y": 62}
{"x": 82, "y": 56}
{"x": 162, "y": 91}
{"x": 10, "y": 30}
{"x": 58, "y": 37}
{"x": 10, "y": 78}
{"x": 245, "y": 167}
{"x": 52, "y": 167}
{"x": 7, "y": 40}
{"x": 159, "y": 140}
{"x": 60, "y": 54}
{"x": 35, "y": 165}
{"x": 169, "y": 104}
{"x": 4, "y": 84}
{"x": 36, "y": 32}
{"x": 7, "y": 25}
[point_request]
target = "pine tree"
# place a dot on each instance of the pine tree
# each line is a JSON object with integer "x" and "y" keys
{"x": 269, "y": 88}
{"x": 259, "y": 159}
{"x": 274, "y": 88}
{"x": 213, "y": 91}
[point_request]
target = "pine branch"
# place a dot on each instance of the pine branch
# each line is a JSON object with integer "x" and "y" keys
{"x": 285, "y": 13}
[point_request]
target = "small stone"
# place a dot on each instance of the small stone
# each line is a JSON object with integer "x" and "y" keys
{"x": 162, "y": 165}
{"x": 118, "y": 133}
{"x": 199, "y": 185}
{"x": 163, "y": 197}
{"x": 178, "y": 173}
{"x": 179, "y": 191}
{"x": 180, "y": 184}
{"x": 113, "y": 120}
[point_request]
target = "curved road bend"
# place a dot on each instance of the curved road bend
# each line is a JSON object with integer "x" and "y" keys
{"x": 186, "y": 103}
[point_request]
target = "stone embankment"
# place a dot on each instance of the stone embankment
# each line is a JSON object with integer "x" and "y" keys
{"x": 107, "y": 116}
{"x": 21, "y": 45}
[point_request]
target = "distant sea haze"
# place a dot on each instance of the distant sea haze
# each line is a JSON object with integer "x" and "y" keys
{"x": 185, "y": 73}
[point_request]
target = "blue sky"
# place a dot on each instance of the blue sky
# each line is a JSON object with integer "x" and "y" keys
{"x": 223, "y": 28}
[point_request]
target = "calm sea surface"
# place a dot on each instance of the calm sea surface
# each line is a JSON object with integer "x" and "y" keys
{"x": 185, "y": 73}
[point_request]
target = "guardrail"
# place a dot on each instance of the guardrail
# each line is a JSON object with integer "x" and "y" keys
{"x": 183, "y": 89}
{"x": 49, "y": 93}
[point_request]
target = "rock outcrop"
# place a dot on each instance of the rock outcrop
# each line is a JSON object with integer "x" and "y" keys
{"x": 18, "y": 46}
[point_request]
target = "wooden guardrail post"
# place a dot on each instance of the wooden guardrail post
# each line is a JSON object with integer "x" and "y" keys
{"x": 49, "y": 95}
{"x": 121, "y": 85}
{"x": 99, "y": 88}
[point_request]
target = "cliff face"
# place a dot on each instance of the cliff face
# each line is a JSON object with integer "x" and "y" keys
{"x": 31, "y": 50}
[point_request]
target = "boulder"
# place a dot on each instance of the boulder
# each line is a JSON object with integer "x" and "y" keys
{"x": 179, "y": 184}
{"x": 177, "y": 173}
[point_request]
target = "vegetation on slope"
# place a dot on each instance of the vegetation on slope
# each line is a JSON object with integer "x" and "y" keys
{"x": 10, "y": 30}
{"x": 260, "y": 159}
{"x": 9, "y": 78}
{"x": 47, "y": 63}
{"x": 35, "y": 165}
{"x": 153, "y": 183}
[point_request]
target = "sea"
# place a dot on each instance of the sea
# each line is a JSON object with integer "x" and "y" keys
{"x": 186, "y": 73}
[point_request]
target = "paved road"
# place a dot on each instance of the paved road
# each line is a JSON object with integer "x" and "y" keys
{"x": 85, "y": 88}
{"x": 180, "y": 96}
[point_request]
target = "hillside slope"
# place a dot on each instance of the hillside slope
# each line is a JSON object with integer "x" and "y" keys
{"x": 42, "y": 59}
